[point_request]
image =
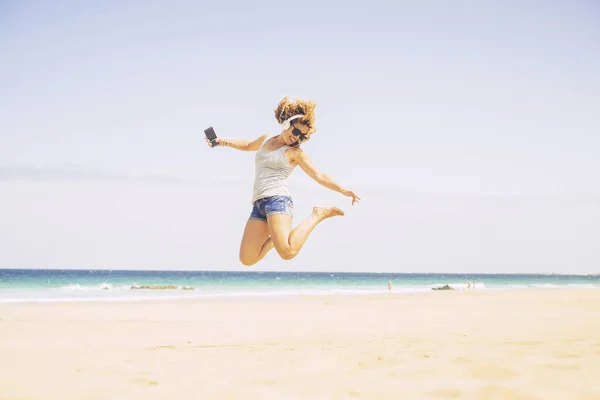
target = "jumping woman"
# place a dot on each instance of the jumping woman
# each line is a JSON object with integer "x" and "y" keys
{"x": 270, "y": 222}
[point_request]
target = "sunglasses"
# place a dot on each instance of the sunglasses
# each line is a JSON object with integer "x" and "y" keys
{"x": 297, "y": 132}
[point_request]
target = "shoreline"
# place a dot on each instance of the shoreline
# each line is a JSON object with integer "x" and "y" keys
{"x": 258, "y": 296}
{"x": 224, "y": 296}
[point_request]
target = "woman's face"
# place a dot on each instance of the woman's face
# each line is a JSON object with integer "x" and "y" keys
{"x": 298, "y": 132}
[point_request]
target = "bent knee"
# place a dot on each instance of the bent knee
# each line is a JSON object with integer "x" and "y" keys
{"x": 287, "y": 253}
{"x": 248, "y": 261}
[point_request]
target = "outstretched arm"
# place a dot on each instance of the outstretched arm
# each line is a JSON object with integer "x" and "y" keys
{"x": 240, "y": 144}
{"x": 309, "y": 168}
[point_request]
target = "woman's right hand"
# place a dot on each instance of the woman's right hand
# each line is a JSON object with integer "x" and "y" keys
{"x": 217, "y": 142}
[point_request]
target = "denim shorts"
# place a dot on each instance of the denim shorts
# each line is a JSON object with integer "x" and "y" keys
{"x": 272, "y": 205}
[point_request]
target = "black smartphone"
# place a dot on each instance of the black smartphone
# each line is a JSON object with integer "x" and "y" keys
{"x": 211, "y": 135}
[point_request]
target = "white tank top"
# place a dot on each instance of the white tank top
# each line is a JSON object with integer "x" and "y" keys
{"x": 271, "y": 172}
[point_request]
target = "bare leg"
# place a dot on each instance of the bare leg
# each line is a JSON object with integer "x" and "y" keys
{"x": 288, "y": 242}
{"x": 256, "y": 242}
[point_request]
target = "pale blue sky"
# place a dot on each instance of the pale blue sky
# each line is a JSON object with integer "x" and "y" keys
{"x": 470, "y": 129}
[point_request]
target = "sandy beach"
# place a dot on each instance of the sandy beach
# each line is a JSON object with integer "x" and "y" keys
{"x": 527, "y": 344}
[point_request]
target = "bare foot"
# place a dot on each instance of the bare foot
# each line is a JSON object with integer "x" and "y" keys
{"x": 326, "y": 212}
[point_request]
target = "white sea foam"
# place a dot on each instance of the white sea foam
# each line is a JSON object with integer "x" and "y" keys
{"x": 568, "y": 285}
{"x": 84, "y": 288}
{"x": 111, "y": 292}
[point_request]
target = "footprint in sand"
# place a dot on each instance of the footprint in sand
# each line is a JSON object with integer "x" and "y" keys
{"x": 491, "y": 372}
{"x": 449, "y": 393}
{"x": 564, "y": 354}
{"x": 498, "y": 392}
{"x": 524, "y": 343}
{"x": 564, "y": 367}
{"x": 571, "y": 340}
{"x": 161, "y": 347}
{"x": 460, "y": 361}
{"x": 144, "y": 381}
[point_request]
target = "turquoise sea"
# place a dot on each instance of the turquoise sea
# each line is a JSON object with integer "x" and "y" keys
{"x": 36, "y": 285}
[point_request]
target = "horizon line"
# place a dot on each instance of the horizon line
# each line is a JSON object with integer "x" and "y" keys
{"x": 297, "y": 271}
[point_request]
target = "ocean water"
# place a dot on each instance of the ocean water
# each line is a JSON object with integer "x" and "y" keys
{"x": 34, "y": 285}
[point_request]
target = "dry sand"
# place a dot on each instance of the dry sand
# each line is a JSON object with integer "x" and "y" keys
{"x": 531, "y": 344}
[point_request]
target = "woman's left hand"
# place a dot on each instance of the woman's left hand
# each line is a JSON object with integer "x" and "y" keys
{"x": 350, "y": 193}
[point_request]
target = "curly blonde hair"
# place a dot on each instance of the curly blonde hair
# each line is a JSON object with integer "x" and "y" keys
{"x": 286, "y": 109}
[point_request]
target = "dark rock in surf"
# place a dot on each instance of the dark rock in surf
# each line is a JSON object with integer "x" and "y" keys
{"x": 445, "y": 287}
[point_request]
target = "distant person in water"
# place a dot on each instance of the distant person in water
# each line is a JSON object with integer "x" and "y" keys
{"x": 270, "y": 221}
